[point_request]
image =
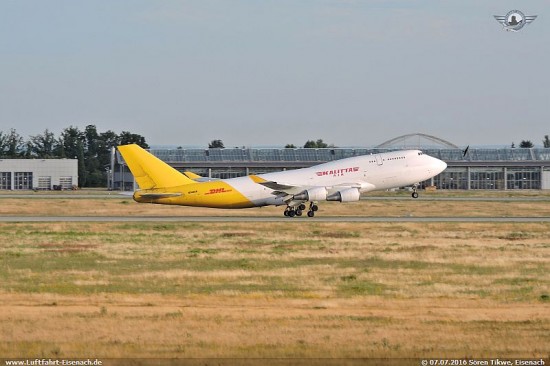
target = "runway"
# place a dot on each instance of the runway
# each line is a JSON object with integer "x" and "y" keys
{"x": 225, "y": 219}
{"x": 128, "y": 195}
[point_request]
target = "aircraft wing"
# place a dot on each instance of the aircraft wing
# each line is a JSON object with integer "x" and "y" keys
{"x": 278, "y": 188}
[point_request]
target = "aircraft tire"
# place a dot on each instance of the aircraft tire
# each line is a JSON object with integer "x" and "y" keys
{"x": 414, "y": 195}
{"x": 298, "y": 212}
{"x": 302, "y": 207}
{"x": 291, "y": 213}
{"x": 310, "y": 213}
{"x": 314, "y": 208}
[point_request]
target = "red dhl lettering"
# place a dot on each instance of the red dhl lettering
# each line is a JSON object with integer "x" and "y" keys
{"x": 218, "y": 190}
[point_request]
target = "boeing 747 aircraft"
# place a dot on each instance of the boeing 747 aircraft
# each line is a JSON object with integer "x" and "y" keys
{"x": 341, "y": 180}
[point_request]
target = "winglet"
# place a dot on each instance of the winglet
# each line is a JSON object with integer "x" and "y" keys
{"x": 272, "y": 185}
{"x": 257, "y": 179}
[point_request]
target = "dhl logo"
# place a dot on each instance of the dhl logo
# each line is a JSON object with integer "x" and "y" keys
{"x": 337, "y": 172}
{"x": 218, "y": 190}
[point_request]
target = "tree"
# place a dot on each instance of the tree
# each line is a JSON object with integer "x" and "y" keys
{"x": 43, "y": 146}
{"x": 319, "y": 144}
{"x": 126, "y": 138}
{"x": 3, "y": 143}
{"x": 92, "y": 140}
{"x": 216, "y": 144}
{"x": 107, "y": 140}
{"x": 71, "y": 138}
{"x": 290, "y": 146}
{"x": 82, "y": 173}
{"x": 546, "y": 141}
{"x": 526, "y": 144}
{"x": 12, "y": 145}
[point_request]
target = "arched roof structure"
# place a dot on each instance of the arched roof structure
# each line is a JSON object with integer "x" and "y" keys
{"x": 417, "y": 141}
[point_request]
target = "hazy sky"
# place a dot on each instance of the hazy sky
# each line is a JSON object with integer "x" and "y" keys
{"x": 271, "y": 72}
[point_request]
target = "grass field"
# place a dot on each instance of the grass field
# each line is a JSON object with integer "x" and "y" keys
{"x": 296, "y": 289}
{"x": 123, "y": 206}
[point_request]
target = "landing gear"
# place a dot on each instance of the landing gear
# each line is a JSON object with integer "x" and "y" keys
{"x": 415, "y": 193}
{"x": 312, "y": 208}
{"x": 293, "y": 211}
{"x": 289, "y": 212}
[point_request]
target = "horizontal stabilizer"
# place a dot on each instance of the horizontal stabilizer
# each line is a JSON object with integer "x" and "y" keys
{"x": 192, "y": 175}
{"x": 198, "y": 178}
{"x": 159, "y": 195}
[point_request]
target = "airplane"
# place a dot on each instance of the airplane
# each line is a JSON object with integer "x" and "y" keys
{"x": 341, "y": 180}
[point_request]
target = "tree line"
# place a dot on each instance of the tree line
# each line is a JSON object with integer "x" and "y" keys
{"x": 527, "y": 144}
{"x": 310, "y": 144}
{"x": 90, "y": 147}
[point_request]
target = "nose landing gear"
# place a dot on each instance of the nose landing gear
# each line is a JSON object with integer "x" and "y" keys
{"x": 415, "y": 193}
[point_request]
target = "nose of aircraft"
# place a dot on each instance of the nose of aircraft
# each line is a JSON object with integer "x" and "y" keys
{"x": 439, "y": 165}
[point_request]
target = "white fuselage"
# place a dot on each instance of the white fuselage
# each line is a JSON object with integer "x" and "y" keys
{"x": 367, "y": 173}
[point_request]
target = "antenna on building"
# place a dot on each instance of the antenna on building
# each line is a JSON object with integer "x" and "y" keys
{"x": 112, "y": 171}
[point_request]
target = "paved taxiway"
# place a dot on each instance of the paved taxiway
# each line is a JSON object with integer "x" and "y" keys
{"x": 264, "y": 219}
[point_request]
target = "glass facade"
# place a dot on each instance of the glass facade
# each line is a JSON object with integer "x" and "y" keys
{"x": 329, "y": 154}
{"x": 452, "y": 178}
{"x": 5, "y": 180}
{"x": 523, "y": 178}
{"x": 487, "y": 178}
{"x": 490, "y": 178}
{"x": 22, "y": 180}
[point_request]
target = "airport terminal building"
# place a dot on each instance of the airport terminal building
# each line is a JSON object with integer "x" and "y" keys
{"x": 479, "y": 168}
{"x": 43, "y": 174}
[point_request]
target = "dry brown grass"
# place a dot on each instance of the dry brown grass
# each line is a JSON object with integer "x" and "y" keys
{"x": 229, "y": 326}
{"x": 274, "y": 290}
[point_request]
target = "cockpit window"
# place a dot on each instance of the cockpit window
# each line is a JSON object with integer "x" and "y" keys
{"x": 420, "y": 153}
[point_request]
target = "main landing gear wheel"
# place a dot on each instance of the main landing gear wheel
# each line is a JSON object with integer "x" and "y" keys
{"x": 312, "y": 208}
{"x": 299, "y": 210}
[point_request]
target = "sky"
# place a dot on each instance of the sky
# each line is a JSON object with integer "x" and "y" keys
{"x": 273, "y": 72}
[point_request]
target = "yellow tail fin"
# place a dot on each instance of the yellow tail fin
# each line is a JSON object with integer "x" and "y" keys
{"x": 149, "y": 171}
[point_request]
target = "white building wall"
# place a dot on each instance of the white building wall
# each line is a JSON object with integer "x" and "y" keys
{"x": 62, "y": 172}
{"x": 545, "y": 179}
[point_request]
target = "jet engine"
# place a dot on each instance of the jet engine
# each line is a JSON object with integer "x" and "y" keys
{"x": 313, "y": 194}
{"x": 346, "y": 195}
